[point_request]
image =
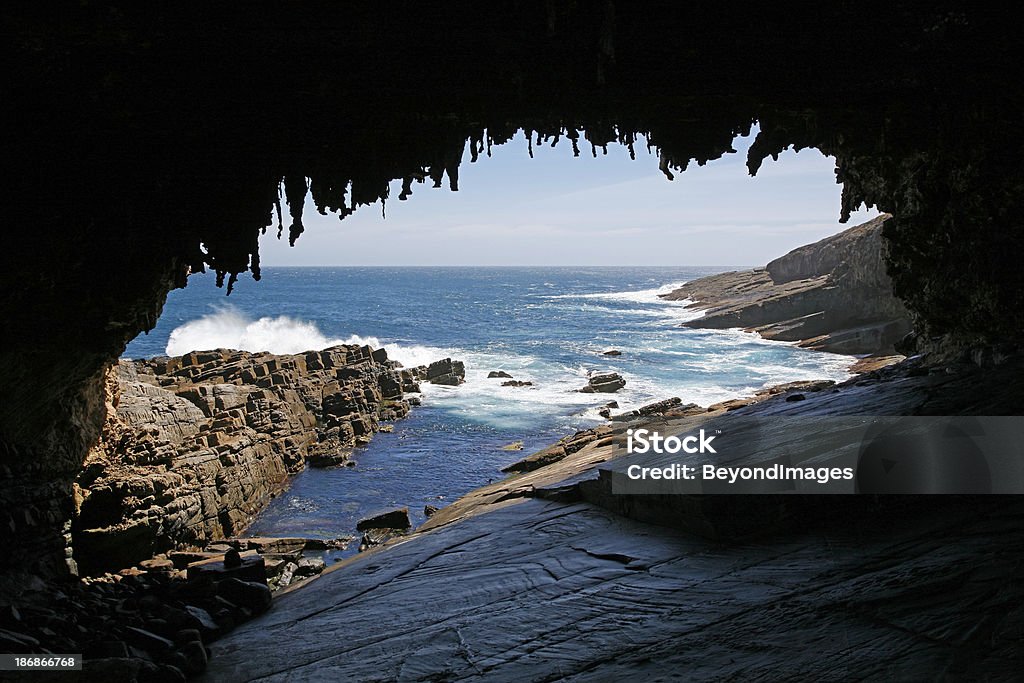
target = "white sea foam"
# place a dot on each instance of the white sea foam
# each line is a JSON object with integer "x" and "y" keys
{"x": 641, "y": 296}
{"x": 677, "y": 311}
{"x": 229, "y": 328}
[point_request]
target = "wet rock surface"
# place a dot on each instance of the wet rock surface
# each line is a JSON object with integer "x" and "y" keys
{"x": 833, "y": 295}
{"x": 195, "y": 446}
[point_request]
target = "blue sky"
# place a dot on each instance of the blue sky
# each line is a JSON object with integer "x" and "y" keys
{"x": 555, "y": 209}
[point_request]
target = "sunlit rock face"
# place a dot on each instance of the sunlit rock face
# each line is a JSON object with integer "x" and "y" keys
{"x": 193, "y": 446}
{"x": 142, "y": 143}
{"x": 833, "y": 295}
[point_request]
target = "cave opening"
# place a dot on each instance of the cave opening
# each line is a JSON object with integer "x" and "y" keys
{"x": 535, "y": 268}
{"x": 147, "y": 143}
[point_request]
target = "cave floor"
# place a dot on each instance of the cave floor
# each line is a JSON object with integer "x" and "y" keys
{"x": 537, "y": 590}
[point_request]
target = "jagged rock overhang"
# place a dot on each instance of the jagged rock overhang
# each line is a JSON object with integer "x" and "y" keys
{"x": 144, "y": 142}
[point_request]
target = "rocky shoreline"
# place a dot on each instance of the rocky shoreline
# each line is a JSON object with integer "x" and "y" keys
{"x": 174, "y": 615}
{"x": 195, "y": 446}
{"x": 834, "y": 295}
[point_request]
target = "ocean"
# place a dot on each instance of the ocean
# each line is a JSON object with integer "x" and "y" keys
{"x": 546, "y": 325}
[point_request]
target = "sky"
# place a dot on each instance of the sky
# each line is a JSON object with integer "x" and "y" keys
{"x": 556, "y": 209}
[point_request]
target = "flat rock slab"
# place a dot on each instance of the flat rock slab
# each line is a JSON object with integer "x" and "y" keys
{"x": 251, "y": 568}
{"x": 536, "y": 590}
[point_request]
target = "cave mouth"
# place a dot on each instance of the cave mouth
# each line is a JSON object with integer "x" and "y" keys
{"x": 540, "y": 323}
{"x": 146, "y": 144}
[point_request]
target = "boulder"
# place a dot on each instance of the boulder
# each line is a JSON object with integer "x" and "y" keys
{"x": 516, "y": 383}
{"x": 160, "y": 565}
{"x": 392, "y": 519}
{"x": 203, "y": 622}
{"x": 498, "y": 373}
{"x": 263, "y": 544}
{"x": 310, "y": 566}
{"x": 148, "y": 641}
{"x": 606, "y": 383}
{"x": 446, "y": 372}
{"x": 232, "y": 559}
{"x": 195, "y": 658}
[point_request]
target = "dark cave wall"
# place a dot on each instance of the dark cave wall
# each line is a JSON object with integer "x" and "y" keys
{"x": 142, "y": 142}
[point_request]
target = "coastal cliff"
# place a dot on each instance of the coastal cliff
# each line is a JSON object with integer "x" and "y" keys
{"x": 833, "y": 295}
{"x": 194, "y": 446}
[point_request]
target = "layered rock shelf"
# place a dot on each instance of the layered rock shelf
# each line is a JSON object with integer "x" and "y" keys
{"x": 195, "y": 446}
{"x": 833, "y": 295}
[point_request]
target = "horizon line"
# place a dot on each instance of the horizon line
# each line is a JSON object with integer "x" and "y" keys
{"x": 512, "y": 265}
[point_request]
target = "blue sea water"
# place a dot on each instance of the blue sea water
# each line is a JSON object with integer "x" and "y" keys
{"x": 542, "y": 324}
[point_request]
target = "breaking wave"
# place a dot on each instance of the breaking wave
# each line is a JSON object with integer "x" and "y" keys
{"x": 229, "y": 328}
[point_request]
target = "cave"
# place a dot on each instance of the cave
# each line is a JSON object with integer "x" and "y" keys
{"x": 147, "y": 143}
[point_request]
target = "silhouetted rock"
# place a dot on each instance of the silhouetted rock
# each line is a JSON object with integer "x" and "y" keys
{"x": 498, "y": 373}
{"x": 392, "y": 519}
